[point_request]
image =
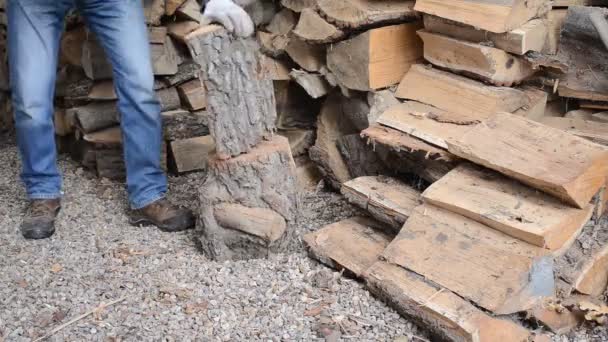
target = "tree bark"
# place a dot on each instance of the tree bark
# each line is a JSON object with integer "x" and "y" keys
{"x": 241, "y": 102}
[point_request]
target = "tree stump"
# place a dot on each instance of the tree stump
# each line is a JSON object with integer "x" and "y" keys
{"x": 249, "y": 204}
{"x": 241, "y": 103}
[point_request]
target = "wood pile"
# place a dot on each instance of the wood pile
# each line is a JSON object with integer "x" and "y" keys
{"x": 477, "y": 146}
{"x": 6, "y": 115}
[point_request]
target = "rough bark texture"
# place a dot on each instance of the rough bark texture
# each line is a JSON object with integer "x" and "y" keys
{"x": 241, "y": 101}
{"x": 262, "y": 180}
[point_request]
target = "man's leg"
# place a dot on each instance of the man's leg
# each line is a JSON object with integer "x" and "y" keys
{"x": 34, "y": 29}
{"x": 121, "y": 30}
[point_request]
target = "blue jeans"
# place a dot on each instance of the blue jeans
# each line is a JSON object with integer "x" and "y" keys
{"x": 34, "y": 31}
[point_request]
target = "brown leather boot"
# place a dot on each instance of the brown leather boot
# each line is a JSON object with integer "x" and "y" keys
{"x": 39, "y": 221}
{"x": 164, "y": 215}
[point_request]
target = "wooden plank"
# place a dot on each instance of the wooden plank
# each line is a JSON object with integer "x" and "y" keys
{"x": 590, "y": 130}
{"x": 551, "y": 160}
{"x": 191, "y": 154}
{"x": 506, "y": 205}
{"x": 458, "y": 94}
{"x": 427, "y": 123}
{"x": 532, "y": 36}
{"x": 386, "y": 199}
{"x": 497, "y": 16}
{"x": 377, "y": 58}
{"x": 179, "y": 30}
{"x": 479, "y": 61}
{"x": 445, "y": 314}
{"x": 497, "y": 272}
{"x": 353, "y": 244}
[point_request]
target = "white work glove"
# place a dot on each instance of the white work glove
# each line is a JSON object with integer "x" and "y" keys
{"x": 230, "y": 15}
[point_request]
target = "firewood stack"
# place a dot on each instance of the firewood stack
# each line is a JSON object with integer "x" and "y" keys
{"x": 489, "y": 109}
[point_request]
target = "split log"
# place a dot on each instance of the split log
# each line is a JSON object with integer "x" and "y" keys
{"x": 62, "y": 126}
{"x": 497, "y": 272}
{"x": 179, "y": 30}
{"x": 568, "y": 167}
{"x": 298, "y": 5}
{"x": 314, "y": 29}
{"x": 496, "y": 16}
{"x": 584, "y": 267}
{"x": 386, "y": 199}
{"x": 354, "y": 244}
{"x": 172, "y": 5}
{"x": 95, "y": 116}
{"x": 181, "y": 124}
{"x": 458, "y": 94}
{"x": 309, "y": 57}
{"x": 360, "y": 158}
{"x": 357, "y": 14}
{"x": 186, "y": 71}
{"x": 448, "y": 316}
{"x": 405, "y": 154}
{"x": 315, "y": 84}
{"x": 330, "y": 127}
{"x": 590, "y": 130}
{"x": 192, "y": 94}
{"x": 282, "y": 23}
{"x": 508, "y": 206}
{"x": 190, "y": 9}
{"x": 558, "y": 321}
{"x": 163, "y": 53}
{"x": 191, "y": 154}
{"x": 259, "y": 188}
{"x": 536, "y": 106}
{"x": 475, "y": 60}
{"x": 168, "y": 99}
{"x": 240, "y": 100}
{"x": 532, "y": 36}
{"x": 377, "y": 58}
{"x": 153, "y": 11}
{"x": 427, "y": 123}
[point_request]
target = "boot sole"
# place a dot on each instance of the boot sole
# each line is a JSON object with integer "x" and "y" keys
{"x": 181, "y": 225}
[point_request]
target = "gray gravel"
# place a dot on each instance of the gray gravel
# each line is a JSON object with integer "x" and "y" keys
{"x": 171, "y": 292}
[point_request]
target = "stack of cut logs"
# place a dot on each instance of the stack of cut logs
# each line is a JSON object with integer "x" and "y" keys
{"x": 472, "y": 132}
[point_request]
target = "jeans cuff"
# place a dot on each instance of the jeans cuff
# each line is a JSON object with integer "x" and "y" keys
{"x": 38, "y": 196}
{"x": 148, "y": 200}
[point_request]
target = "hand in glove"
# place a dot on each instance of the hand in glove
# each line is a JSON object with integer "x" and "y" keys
{"x": 230, "y": 15}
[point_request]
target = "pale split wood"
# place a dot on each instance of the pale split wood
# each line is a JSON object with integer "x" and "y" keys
{"x": 433, "y": 125}
{"x": 357, "y": 14}
{"x": 497, "y": 272}
{"x": 191, "y": 154}
{"x": 551, "y": 160}
{"x": 386, "y": 199}
{"x": 353, "y": 244}
{"x": 446, "y": 314}
{"x": 478, "y": 61}
{"x": 497, "y": 16}
{"x": 377, "y": 58}
{"x": 532, "y": 36}
{"x": 458, "y": 94}
{"x": 508, "y": 206}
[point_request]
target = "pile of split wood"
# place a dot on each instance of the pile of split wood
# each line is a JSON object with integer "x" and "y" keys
{"x": 495, "y": 107}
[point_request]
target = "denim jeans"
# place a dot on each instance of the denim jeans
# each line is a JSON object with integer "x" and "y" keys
{"x": 34, "y": 32}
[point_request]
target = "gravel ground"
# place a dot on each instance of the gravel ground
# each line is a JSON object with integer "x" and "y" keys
{"x": 168, "y": 291}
